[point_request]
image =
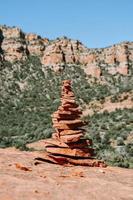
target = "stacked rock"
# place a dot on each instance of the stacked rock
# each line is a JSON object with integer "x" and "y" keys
{"x": 67, "y": 144}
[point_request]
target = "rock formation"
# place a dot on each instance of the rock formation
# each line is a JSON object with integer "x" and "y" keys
{"x": 16, "y": 45}
{"x": 35, "y": 44}
{"x": 67, "y": 144}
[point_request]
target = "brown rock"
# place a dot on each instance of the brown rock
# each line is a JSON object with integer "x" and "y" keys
{"x": 80, "y": 161}
{"x": 71, "y": 138}
{"x": 70, "y": 132}
{"x": 53, "y": 142}
{"x": 24, "y": 168}
{"x": 93, "y": 70}
{"x": 65, "y": 116}
{"x": 84, "y": 152}
{"x": 16, "y": 45}
{"x": 35, "y": 44}
{"x": 122, "y": 70}
{"x": 66, "y": 125}
{"x": 88, "y": 58}
{"x": 53, "y": 59}
{"x": 82, "y": 143}
{"x": 13, "y": 44}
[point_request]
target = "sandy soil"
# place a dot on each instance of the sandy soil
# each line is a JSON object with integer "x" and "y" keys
{"x": 107, "y": 106}
{"x": 23, "y": 178}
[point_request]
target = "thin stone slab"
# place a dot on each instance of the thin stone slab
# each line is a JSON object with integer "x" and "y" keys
{"x": 54, "y": 143}
{"x": 65, "y": 116}
{"x": 70, "y": 132}
{"x": 71, "y": 138}
{"x": 64, "y": 112}
{"x": 67, "y": 105}
{"x": 82, "y": 143}
{"x": 82, "y": 162}
{"x": 84, "y": 152}
{"x": 77, "y": 121}
{"x": 72, "y": 110}
{"x": 90, "y": 162}
{"x": 68, "y": 124}
{"x": 67, "y": 138}
{"x": 64, "y": 126}
{"x": 69, "y": 100}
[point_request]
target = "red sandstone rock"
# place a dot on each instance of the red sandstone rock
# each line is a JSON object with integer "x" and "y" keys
{"x": 93, "y": 70}
{"x": 24, "y": 168}
{"x": 122, "y": 69}
{"x": 84, "y": 152}
{"x": 66, "y": 115}
{"x": 52, "y": 142}
{"x": 70, "y": 132}
{"x": 82, "y": 143}
{"x": 81, "y": 161}
{"x": 68, "y": 124}
{"x": 71, "y": 138}
{"x": 16, "y": 45}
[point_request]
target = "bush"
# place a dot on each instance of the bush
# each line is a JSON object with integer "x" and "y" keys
{"x": 120, "y": 141}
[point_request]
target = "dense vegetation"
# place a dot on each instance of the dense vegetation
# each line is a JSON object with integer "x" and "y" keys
{"x": 30, "y": 93}
{"x": 112, "y": 134}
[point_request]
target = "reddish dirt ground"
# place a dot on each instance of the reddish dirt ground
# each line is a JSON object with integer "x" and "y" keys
{"x": 22, "y": 178}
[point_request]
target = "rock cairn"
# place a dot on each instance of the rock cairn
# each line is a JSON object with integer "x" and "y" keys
{"x": 67, "y": 145}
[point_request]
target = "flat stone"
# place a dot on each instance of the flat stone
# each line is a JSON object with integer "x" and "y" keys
{"x": 77, "y": 110}
{"x": 68, "y": 105}
{"x": 64, "y": 112}
{"x": 69, "y": 100}
{"x": 84, "y": 152}
{"x": 65, "y": 116}
{"x": 63, "y": 126}
{"x": 72, "y": 161}
{"x": 71, "y": 111}
{"x": 71, "y": 138}
{"x": 67, "y": 93}
{"x": 77, "y": 121}
{"x": 68, "y": 124}
{"x": 70, "y": 132}
{"x": 56, "y": 136}
{"x": 82, "y": 143}
{"x": 53, "y": 142}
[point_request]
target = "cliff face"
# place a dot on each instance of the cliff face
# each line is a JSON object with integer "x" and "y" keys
{"x": 16, "y": 45}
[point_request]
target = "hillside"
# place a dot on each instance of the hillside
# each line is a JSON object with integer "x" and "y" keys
{"x": 31, "y": 71}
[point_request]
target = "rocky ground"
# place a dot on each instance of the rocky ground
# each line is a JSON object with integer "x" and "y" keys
{"x": 22, "y": 177}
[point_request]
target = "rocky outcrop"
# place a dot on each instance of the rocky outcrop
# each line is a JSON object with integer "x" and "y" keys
{"x": 13, "y": 45}
{"x": 67, "y": 145}
{"x": 16, "y": 45}
{"x": 35, "y": 44}
{"x": 63, "y": 51}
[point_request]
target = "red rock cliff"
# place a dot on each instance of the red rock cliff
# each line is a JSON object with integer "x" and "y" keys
{"x": 16, "y": 45}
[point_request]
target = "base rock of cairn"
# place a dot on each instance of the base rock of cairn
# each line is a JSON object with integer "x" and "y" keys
{"x": 67, "y": 145}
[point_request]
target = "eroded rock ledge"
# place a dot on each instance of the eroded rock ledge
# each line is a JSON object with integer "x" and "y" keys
{"x": 16, "y": 45}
